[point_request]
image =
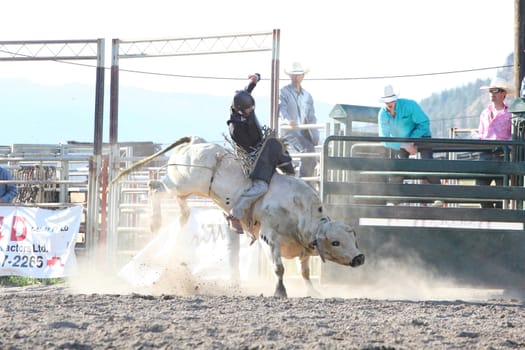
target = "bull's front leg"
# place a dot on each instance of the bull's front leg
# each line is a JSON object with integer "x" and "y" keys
{"x": 305, "y": 273}
{"x": 278, "y": 267}
{"x": 280, "y": 290}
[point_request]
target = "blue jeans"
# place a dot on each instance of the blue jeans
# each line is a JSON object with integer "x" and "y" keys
{"x": 425, "y": 154}
{"x": 300, "y": 143}
{"x": 496, "y": 155}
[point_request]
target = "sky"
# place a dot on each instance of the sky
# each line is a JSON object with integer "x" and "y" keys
{"x": 361, "y": 44}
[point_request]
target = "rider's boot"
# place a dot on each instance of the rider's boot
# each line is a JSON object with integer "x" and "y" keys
{"x": 234, "y": 224}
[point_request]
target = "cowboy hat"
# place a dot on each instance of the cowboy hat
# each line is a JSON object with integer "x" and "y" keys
{"x": 498, "y": 83}
{"x": 388, "y": 95}
{"x": 296, "y": 69}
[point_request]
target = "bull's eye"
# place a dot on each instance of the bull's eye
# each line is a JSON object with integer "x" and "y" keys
{"x": 335, "y": 243}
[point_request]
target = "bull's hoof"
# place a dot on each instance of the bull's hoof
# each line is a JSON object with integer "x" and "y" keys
{"x": 280, "y": 292}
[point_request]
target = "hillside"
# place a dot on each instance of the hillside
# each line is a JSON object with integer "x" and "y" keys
{"x": 41, "y": 114}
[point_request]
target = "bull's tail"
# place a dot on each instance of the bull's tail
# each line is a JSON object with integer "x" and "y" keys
{"x": 149, "y": 159}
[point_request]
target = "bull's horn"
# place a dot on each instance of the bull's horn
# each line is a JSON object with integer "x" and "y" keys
{"x": 149, "y": 159}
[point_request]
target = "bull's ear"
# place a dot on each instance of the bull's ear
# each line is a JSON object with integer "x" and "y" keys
{"x": 317, "y": 245}
{"x": 322, "y": 229}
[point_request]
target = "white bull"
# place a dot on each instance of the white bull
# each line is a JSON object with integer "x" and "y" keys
{"x": 289, "y": 218}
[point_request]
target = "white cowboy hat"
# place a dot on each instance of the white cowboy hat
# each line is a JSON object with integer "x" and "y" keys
{"x": 296, "y": 69}
{"x": 389, "y": 95}
{"x": 498, "y": 83}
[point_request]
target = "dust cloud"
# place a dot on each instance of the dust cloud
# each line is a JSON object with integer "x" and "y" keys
{"x": 171, "y": 259}
{"x": 390, "y": 281}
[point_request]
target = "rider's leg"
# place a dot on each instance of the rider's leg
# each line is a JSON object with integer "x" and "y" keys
{"x": 261, "y": 175}
{"x": 256, "y": 191}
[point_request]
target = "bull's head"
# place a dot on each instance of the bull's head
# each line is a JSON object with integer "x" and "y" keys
{"x": 336, "y": 241}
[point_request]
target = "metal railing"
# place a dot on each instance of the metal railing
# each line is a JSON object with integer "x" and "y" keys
{"x": 348, "y": 175}
{"x": 297, "y": 156}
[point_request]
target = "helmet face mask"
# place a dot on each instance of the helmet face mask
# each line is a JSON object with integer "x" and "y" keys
{"x": 242, "y": 101}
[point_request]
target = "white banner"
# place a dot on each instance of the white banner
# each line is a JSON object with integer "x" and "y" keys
{"x": 37, "y": 242}
{"x": 206, "y": 246}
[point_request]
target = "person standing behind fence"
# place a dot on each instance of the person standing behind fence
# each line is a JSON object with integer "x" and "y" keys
{"x": 7, "y": 191}
{"x": 495, "y": 123}
{"x": 401, "y": 117}
{"x": 296, "y": 107}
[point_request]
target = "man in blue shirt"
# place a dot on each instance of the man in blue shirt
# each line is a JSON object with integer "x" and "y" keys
{"x": 401, "y": 117}
{"x": 7, "y": 191}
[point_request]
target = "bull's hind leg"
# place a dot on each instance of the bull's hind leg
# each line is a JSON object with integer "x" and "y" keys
{"x": 159, "y": 193}
{"x": 184, "y": 210}
{"x": 156, "y": 191}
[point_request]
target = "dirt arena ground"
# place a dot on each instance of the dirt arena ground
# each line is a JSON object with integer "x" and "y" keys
{"x": 97, "y": 313}
{"x": 384, "y": 305}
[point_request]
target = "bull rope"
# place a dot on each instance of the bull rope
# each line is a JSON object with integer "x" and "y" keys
{"x": 247, "y": 159}
{"x": 149, "y": 159}
{"x": 219, "y": 157}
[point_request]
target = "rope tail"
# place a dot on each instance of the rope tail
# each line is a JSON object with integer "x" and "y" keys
{"x": 149, "y": 159}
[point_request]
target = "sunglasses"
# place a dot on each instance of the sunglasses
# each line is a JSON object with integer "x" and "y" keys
{"x": 495, "y": 91}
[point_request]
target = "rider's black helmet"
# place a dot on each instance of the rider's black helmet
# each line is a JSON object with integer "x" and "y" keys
{"x": 242, "y": 100}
